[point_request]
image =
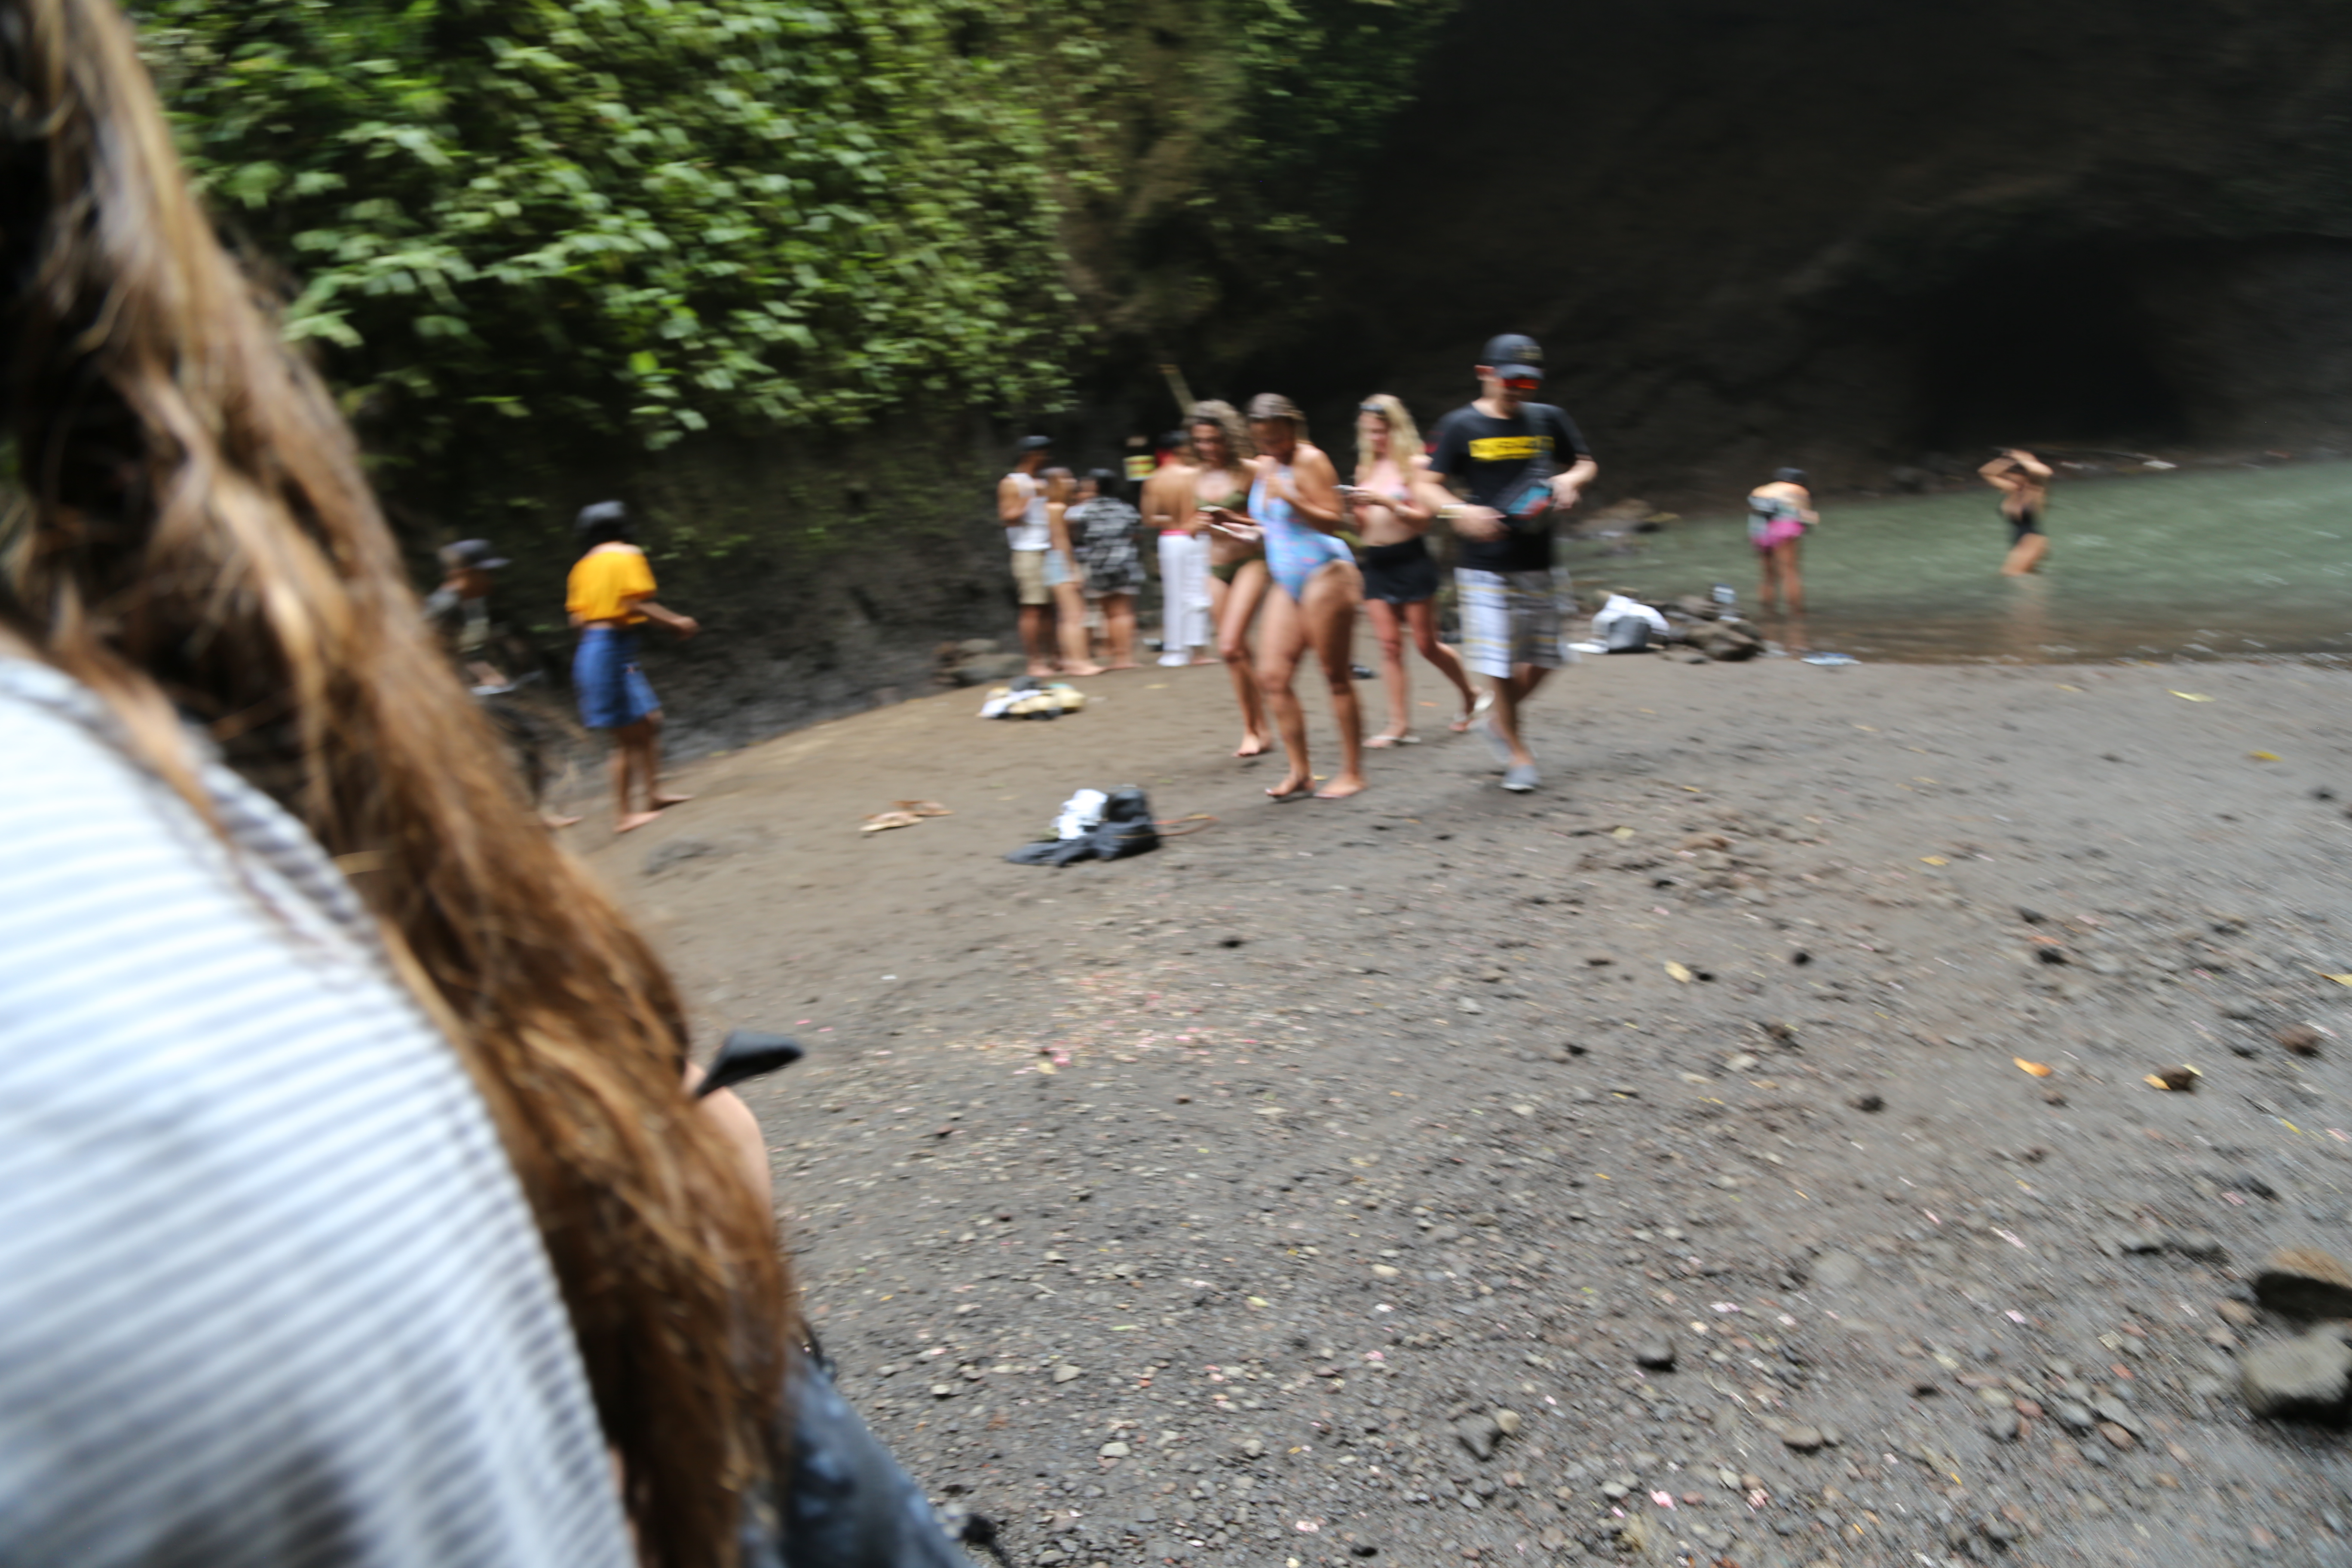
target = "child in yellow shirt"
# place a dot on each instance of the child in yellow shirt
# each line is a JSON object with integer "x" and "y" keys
{"x": 609, "y": 594}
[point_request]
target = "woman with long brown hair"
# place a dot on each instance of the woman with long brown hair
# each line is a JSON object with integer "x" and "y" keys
{"x": 353, "y": 1208}
{"x": 1236, "y": 565}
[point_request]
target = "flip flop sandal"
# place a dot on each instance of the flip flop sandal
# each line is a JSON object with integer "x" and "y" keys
{"x": 883, "y": 821}
{"x": 1381, "y": 742}
{"x": 922, "y": 808}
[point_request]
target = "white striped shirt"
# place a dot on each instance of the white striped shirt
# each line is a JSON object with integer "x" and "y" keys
{"x": 271, "y": 1293}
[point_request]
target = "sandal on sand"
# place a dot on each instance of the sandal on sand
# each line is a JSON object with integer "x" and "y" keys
{"x": 883, "y": 820}
{"x": 922, "y": 808}
{"x": 1477, "y": 711}
{"x": 1406, "y": 738}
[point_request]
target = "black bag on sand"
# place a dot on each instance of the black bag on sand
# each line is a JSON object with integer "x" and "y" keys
{"x": 1126, "y": 829}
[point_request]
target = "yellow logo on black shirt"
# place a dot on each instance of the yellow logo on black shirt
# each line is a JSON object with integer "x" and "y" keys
{"x": 1504, "y": 448}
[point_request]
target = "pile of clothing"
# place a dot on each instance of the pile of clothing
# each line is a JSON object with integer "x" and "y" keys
{"x": 1027, "y": 698}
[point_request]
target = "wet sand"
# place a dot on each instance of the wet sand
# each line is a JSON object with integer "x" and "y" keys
{"x": 1319, "y": 1138}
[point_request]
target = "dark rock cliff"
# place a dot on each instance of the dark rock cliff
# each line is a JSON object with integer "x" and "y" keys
{"x": 1845, "y": 234}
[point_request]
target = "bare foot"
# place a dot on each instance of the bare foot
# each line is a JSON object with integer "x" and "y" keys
{"x": 1208, "y": 658}
{"x": 1292, "y": 782}
{"x": 548, "y": 819}
{"x": 1251, "y": 746}
{"x": 634, "y": 820}
{"x": 1130, "y": 664}
{"x": 1341, "y": 787}
{"x": 659, "y": 801}
{"x": 1082, "y": 669}
{"x": 1039, "y": 667}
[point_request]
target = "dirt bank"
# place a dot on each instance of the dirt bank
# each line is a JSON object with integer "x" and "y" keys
{"x": 1221, "y": 1207}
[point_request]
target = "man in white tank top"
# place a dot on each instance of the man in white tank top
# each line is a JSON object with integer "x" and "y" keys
{"x": 1021, "y": 507}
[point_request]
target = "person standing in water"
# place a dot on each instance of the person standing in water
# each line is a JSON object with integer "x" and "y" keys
{"x": 1102, "y": 531}
{"x": 1392, "y": 509}
{"x": 1029, "y": 533}
{"x": 1294, "y": 511}
{"x": 1778, "y": 515}
{"x": 2024, "y": 482}
{"x": 1237, "y": 563}
{"x": 1506, "y": 455}
{"x": 609, "y": 593}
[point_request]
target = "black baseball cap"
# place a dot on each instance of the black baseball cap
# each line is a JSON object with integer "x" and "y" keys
{"x": 1514, "y": 354}
{"x": 1034, "y": 444}
{"x": 478, "y": 555}
{"x": 603, "y": 515}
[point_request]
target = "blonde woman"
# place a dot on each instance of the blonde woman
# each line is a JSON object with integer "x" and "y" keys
{"x": 1393, "y": 502}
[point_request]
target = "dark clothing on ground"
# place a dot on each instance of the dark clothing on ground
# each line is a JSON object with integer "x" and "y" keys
{"x": 1400, "y": 573}
{"x": 1499, "y": 459}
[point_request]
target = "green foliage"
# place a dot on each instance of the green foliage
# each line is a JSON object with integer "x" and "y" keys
{"x": 649, "y": 212}
{"x": 659, "y": 215}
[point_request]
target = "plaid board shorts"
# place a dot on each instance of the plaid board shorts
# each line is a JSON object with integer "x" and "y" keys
{"x": 1511, "y": 618}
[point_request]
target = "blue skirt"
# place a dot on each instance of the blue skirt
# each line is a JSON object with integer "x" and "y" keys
{"x": 614, "y": 692}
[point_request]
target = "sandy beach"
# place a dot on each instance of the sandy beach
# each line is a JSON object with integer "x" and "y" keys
{"x": 1642, "y": 1165}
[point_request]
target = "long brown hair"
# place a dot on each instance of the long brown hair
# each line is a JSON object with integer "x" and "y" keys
{"x": 194, "y": 537}
{"x": 1217, "y": 411}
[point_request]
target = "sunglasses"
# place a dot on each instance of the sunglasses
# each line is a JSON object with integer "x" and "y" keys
{"x": 1371, "y": 408}
{"x": 1522, "y": 382}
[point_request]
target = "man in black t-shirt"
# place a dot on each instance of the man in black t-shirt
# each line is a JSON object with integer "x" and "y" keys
{"x": 1517, "y": 464}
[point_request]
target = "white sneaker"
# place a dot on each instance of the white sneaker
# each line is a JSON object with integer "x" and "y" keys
{"x": 1520, "y": 778}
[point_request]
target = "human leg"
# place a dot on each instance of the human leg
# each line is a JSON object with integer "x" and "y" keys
{"x": 1070, "y": 607}
{"x": 1421, "y": 617}
{"x": 633, "y": 761}
{"x": 1333, "y": 596}
{"x": 725, "y": 1113}
{"x": 1176, "y": 591}
{"x": 1238, "y": 608}
{"x": 1514, "y": 641}
{"x": 1390, "y": 632}
{"x": 1792, "y": 580}
{"x": 1767, "y": 575}
{"x": 1281, "y": 640}
{"x": 1118, "y": 629}
{"x": 2025, "y": 555}
{"x": 655, "y": 796}
{"x": 1036, "y": 615}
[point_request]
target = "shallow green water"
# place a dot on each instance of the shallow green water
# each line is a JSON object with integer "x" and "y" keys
{"x": 2204, "y": 565}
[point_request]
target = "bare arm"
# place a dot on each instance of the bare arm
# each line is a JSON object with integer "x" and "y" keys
{"x": 1315, "y": 491}
{"x": 683, "y": 625}
{"x": 2034, "y": 466}
{"x": 1012, "y": 502}
{"x": 1568, "y": 489}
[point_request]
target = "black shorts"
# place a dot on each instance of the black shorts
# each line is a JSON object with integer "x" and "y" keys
{"x": 1400, "y": 573}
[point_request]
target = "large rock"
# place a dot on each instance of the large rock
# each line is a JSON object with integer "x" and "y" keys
{"x": 1726, "y": 642}
{"x": 2309, "y": 1377}
{"x": 2304, "y": 1282}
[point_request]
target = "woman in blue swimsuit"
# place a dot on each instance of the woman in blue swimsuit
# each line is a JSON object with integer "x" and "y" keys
{"x": 1295, "y": 506}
